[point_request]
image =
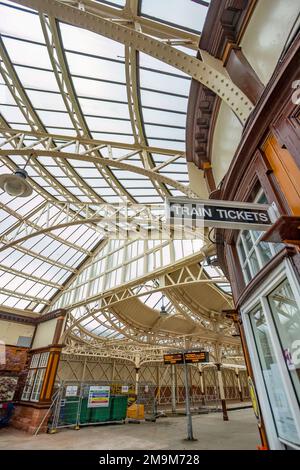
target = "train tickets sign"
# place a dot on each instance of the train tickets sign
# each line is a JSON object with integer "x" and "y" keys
{"x": 197, "y": 213}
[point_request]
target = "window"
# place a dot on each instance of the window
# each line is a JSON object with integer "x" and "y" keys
{"x": 280, "y": 406}
{"x": 286, "y": 315}
{"x": 253, "y": 253}
{"x": 271, "y": 318}
{"x": 35, "y": 377}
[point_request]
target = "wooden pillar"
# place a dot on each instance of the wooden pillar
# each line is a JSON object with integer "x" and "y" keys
{"x": 50, "y": 374}
{"x": 221, "y": 392}
{"x": 58, "y": 329}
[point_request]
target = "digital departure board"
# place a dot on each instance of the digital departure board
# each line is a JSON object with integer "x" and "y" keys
{"x": 176, "y": 358}
{"x": 194, "y": 357}
{"x": 191, "y": 357}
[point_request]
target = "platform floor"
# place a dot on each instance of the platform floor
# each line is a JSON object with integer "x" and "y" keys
{"x": 240, "y": 432}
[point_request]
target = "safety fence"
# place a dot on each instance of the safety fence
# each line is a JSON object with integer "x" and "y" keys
{"x": 161, "y": 388}
{"x": 203, "y": 388}
{"x": 97, "y": 402}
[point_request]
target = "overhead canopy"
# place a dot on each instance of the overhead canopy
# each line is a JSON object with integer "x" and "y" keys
{"x": 95, "y": 121}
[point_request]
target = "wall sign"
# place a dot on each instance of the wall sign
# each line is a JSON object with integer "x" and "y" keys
{"x": 71, "y": 390}
{"x": 220, "y": 214}
{"x": 99, "y": 396}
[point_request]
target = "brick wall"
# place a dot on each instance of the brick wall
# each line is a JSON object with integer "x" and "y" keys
{"x": 15, "y": 366}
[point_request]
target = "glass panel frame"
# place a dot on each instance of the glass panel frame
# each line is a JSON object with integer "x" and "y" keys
{"x": 260, "y": 297}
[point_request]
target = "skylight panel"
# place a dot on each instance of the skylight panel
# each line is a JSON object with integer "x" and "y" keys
{"x": 25, "y": 53}
{"x": 20, "y": 126}
{"x": 40, "y": 269}
{"x": 5, "y": 95}
{"x": 147, "y": 61}
{"x": 163, "y": 83}
{"x": 184, "y": 14}
{"x": 36, "y": 78}
{"x": 87, "y": 41}
{"x": 161, "y": 100}
{"x": 22, "y": 304}
{"x": 55, "y": 119}
{"x": 11, "y": 301}
{"x": 103, "y": 108}
{"x": 164, "y": 118}
{"x": 22, "y": 23}
{"x": 115, "y": 3}
{"x": 96, "y": 89}
{"x": 43, "y": 99}
{"x": 168, "y": 133}
{"x": 71, "y": 132}
{"x": 23, "y": 207}
{"x": 12, "y": 114}
{"x": 167, "y": 144}
{"x": 116, "y": 137}
{"x": 95, "y": 68}
{"x": 108, "y": 125}
{"x": 9, "y": 256}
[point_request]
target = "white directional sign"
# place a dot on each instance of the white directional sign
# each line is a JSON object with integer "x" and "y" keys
{"x": 220, "y": 214}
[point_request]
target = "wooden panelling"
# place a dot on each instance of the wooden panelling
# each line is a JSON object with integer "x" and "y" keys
{"x": 286, "y": 172}
{"x": 243, "y": 75}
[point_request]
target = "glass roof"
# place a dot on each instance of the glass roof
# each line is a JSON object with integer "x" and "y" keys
{"x": 184, "y": 14}
{"x": 35, "y": 271}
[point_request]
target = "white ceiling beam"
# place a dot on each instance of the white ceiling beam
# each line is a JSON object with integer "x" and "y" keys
{"x": 209, "y": 71}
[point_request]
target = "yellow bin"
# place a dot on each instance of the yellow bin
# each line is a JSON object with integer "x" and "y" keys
{"x": 136, "y": 412}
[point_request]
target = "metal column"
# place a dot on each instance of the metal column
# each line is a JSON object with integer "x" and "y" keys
{"x": 173, "y": 388}
{"x": 221, "y": 391}
{"x": 190, "y": 436}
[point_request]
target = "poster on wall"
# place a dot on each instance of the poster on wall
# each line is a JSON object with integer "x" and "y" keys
{"x": 124, "y": 389}
{"x": 99, "y": 396}
{"x": 8, "y": 387}
{"x": 71, "y": 390}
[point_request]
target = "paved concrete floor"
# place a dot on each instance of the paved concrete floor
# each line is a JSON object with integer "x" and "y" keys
{"x": 240, "y": 432}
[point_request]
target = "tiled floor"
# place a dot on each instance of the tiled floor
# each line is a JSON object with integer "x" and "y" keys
{"x": 240, "y": 432}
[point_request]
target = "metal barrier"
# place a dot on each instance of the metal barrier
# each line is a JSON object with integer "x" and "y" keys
{"x": 97, "y": 402}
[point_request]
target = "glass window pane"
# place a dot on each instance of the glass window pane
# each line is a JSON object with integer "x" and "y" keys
{"x": 284, "y": 420}
{"x": 247, "y": 239}
{"x": 286, "y": 314}
{"x": 242, "y": 251}
{"x": 28, "y": 384}
{"x": 254, "y": 263}
{"x": 36, "y": 390}
{"x": 184, "y": 13}
{"x": 265, "y": 252}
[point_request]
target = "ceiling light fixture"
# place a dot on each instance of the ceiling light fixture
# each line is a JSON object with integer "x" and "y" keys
{"x": 212, "y": 260}
{"x": 15, "y": 184}
{"x": 163, "y": 310}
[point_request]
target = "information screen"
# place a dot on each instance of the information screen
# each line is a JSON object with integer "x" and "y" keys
{"x": 173, "y": 358}
{"x": 196, "y": 356}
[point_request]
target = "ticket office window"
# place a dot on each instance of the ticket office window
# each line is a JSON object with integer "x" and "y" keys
{"x": 272, "y": 327}
{"x": 253, "y": 253}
